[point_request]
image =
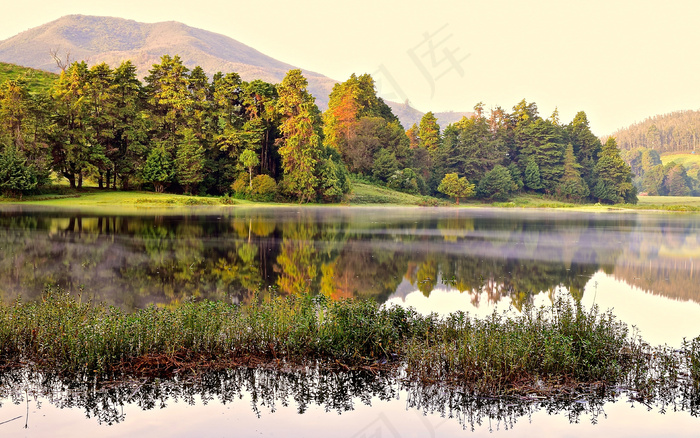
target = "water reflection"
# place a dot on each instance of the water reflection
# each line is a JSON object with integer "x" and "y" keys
{"x": 267, "y": 391}
{"x": 132, "y": 261}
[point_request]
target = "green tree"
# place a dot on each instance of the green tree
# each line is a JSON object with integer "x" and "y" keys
{"x": 456, "y": 187}
{"x": 385, "y": 165}
{"x": 301, "y": 136}
{"x": 572, "y": 186}
{"x": 189, "y": 160}
{"x": 653, "y": 181}
{"x": 429, "y": 132}
{"x": 169, "y": 99}
{"x": 69, "y": 134}
{"x": 614, "y": 176}
{"x": 496, "y": 185}
{"x": 532, "y": 176}
{"x": 158, "y": 168}
{"x": 677, "y": 181}
{"x": 587, "y": 146}
{"x": 16, "y": 177}
{"x": 333, "y": 176}
{"x": 249, "y": 159}
{"x": 128, "y": 151}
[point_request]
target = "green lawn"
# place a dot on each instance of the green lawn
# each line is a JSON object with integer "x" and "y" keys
{"x": 364, "y": 194}
{"x": 361, "y": 194}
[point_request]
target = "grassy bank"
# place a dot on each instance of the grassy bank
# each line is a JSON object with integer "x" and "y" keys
{"x": 537, "y": 351}
{"x": 362, "y": 195}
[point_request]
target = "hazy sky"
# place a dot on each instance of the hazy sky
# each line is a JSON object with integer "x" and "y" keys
{"x": 619, "y": 61}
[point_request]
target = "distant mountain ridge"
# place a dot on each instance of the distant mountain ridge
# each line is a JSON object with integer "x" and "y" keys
{"x": 113, "y": 40}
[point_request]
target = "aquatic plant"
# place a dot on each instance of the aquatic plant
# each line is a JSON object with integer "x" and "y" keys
{"x": 542, "y": 351}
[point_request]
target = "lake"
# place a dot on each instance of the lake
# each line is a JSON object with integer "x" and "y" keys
{"x": 642, "y": 265}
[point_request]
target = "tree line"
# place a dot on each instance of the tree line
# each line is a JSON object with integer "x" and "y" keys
{"x": 653, "y": 177}
{"x": 181, "y": 132}
{"x": 674, "y": 132}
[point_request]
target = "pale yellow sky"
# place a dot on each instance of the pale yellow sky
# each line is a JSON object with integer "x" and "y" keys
{"x": 620, "y": 61}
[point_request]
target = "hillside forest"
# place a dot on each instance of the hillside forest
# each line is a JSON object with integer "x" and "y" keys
{"x": 663, "y": 153}
{"x": 181, "y": 132}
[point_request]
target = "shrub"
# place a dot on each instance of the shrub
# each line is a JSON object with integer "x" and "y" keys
{"x": 241, "y": 186}
{"x": 264, "y": 188}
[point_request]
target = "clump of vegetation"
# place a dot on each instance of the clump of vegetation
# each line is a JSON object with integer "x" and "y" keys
{"x": 539, "y": 350}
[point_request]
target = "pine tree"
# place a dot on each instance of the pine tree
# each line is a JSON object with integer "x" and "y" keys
{"x": 189, "y": 160}
{"x": 572, "y": 186}
{"x": 614, "y": 176}
{"x": 16, "y": 177}
{"x": 532, "y": 176}
{"x": 158, "y": 168}
{"x": 301, "y": 130}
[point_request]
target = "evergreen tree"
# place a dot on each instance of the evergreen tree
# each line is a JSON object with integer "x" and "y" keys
{"x": 572, "y": 186}
{"x": 587, "y": 146}
{"x": 130, "y": 128}
{"x": 16, "y": 176}
{"x": 158, "y": 168}
{"x": 385, "y": 165}
{"x": 69, "y": 135}
{"x": 429, "y": 132}
{"x": 301, "y": 130}
{"x": 496, "y": 185}
{"x": 189, "y": 160}
{"x": 614, "y": 176}
{"x": 532, "y": 176}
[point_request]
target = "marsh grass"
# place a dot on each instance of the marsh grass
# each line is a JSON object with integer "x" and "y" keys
{"x": 539, "y": 350}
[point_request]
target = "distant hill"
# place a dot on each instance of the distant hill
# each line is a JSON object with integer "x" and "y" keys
{"x": 113, "y": 40}
{"x": 675, "y": 132}
{"x": 409, "y": 115}
{"x": 37, "y": 80}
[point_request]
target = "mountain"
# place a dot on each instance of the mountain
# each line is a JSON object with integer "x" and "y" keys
{"x": 113, "y": 40}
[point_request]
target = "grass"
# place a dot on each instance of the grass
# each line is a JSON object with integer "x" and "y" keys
{"x": 363, "y": 194}
{"x": 38, "y": 81}
{"x": 536, "y": 351}
{"x": 64, "y": 197}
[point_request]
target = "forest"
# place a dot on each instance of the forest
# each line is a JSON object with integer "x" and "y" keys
{"x": 181, "y": 132}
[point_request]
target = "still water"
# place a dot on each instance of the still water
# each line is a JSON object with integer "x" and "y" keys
{"x": 644, "y": 266}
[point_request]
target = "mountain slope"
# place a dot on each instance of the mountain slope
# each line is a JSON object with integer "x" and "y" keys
{"x": 113, "y": 40}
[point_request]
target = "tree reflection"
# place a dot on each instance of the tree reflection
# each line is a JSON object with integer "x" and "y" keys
{"x": 133, "y": 261}
{"x": 338, "y": 391}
